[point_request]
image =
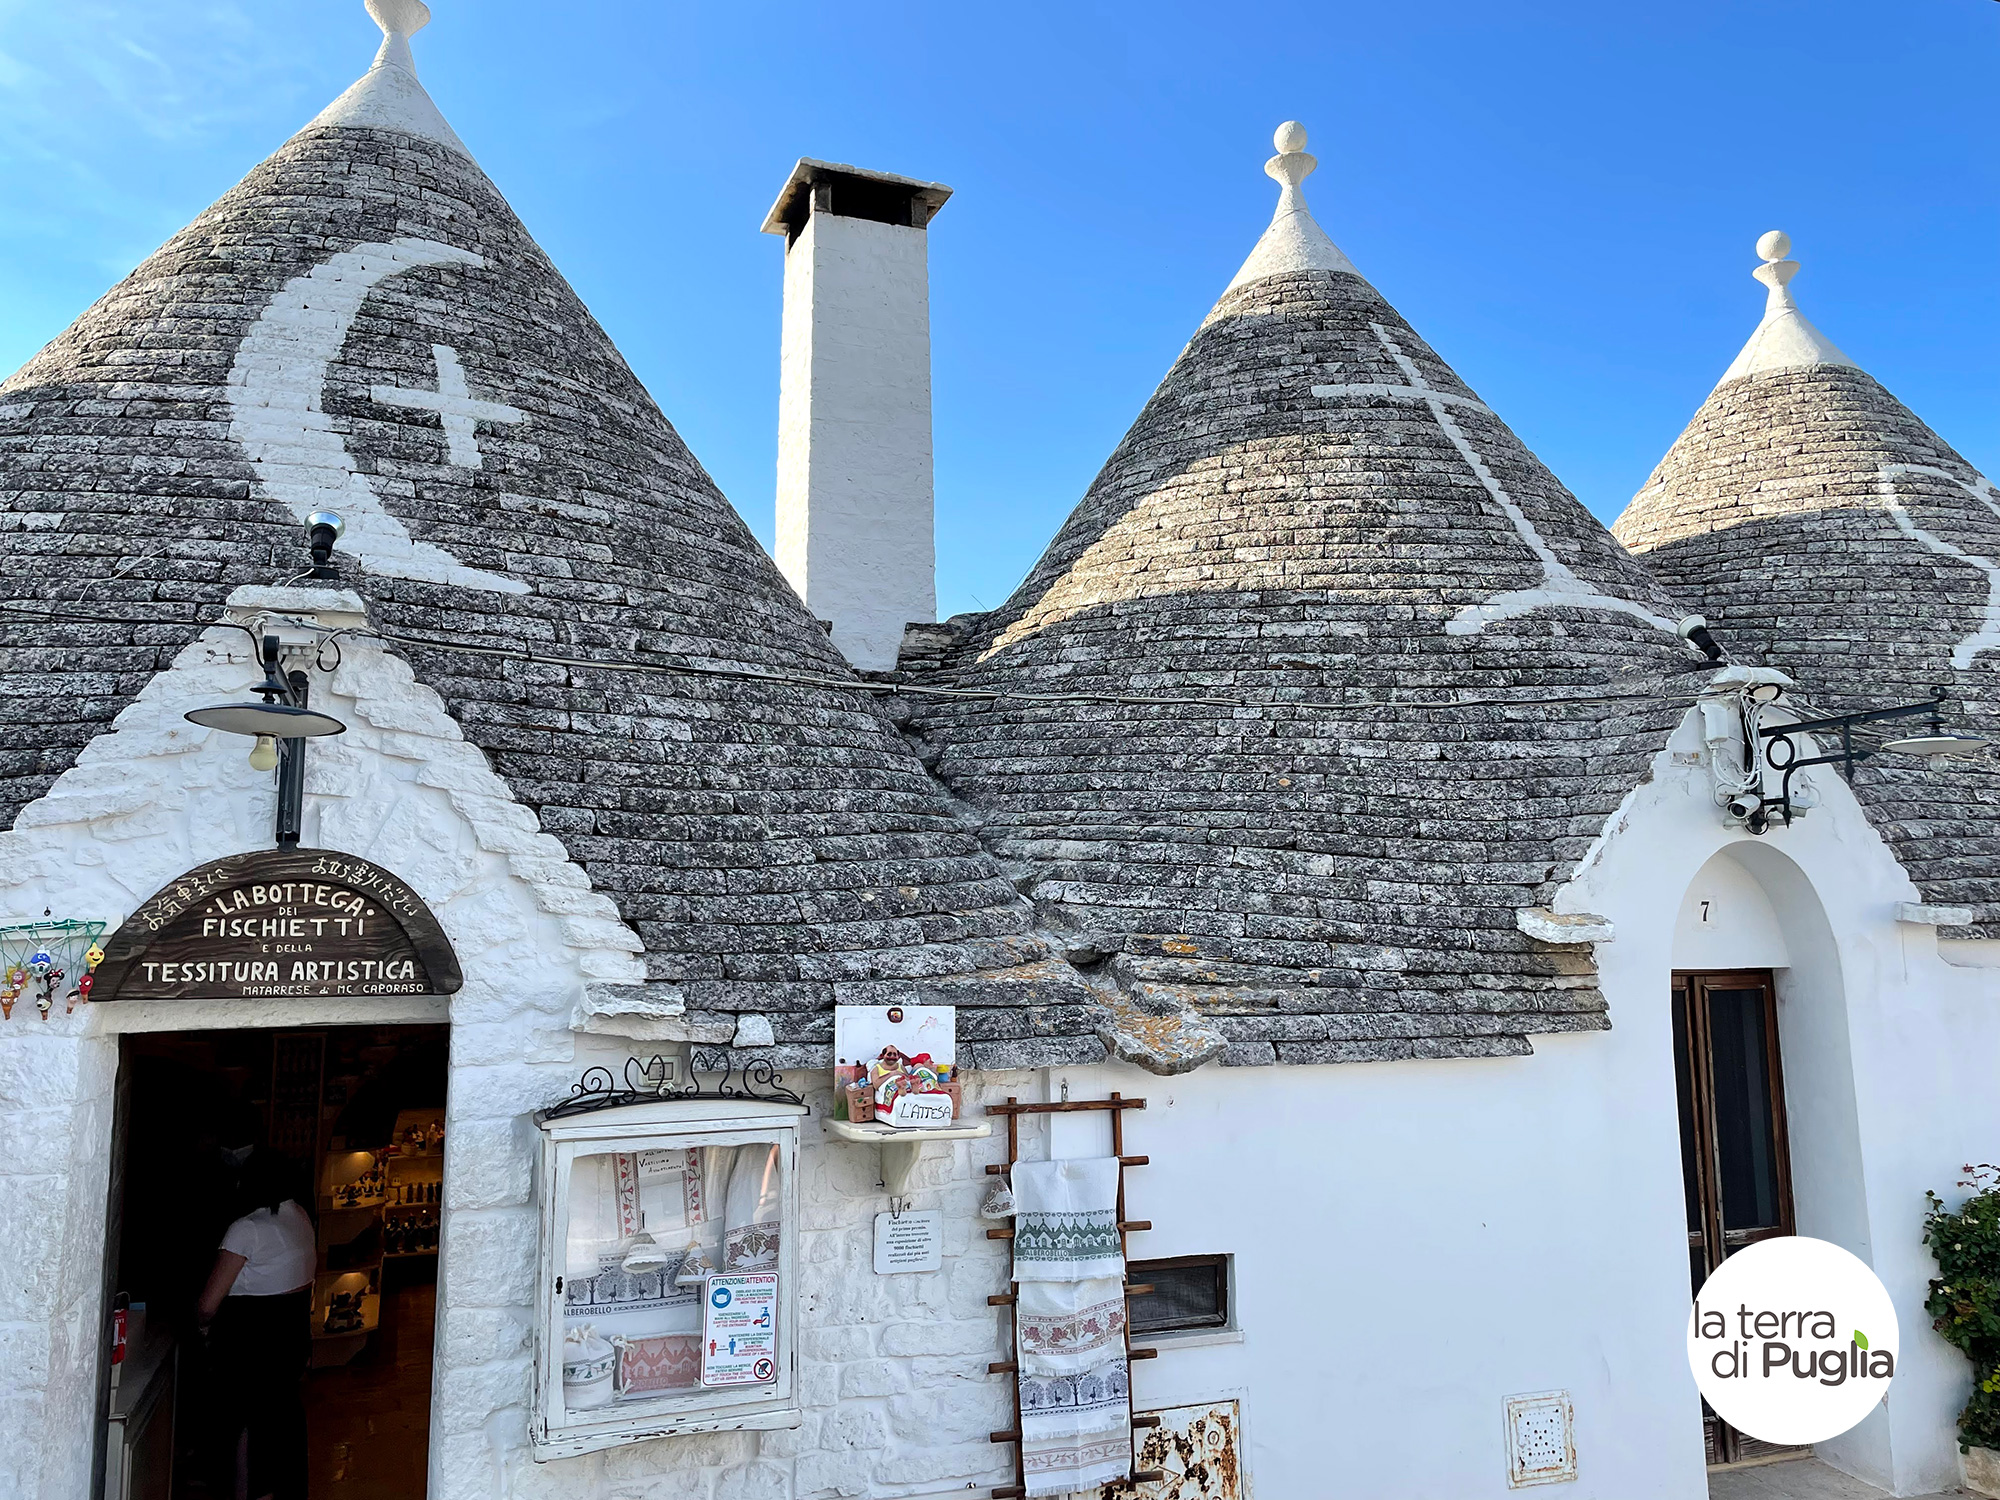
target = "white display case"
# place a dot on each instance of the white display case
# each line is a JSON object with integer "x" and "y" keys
{"x": 667, "y": 1293}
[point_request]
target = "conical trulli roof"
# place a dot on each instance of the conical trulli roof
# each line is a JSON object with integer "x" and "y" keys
{"x": 1326, "y": 557}
{"x": 363, "y": 326}
{"x": 1823, "y": 529}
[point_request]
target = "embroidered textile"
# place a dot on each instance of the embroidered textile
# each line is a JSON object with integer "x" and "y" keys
{"x": 661, "y": 1188}
{"x": 1076, "y": 1429}
{"x": 1058, "y": 1466}
{"x": 1070, "y": 1325}
{"x": 1066, "y": 1220}
{"x": 1086, "y": 1400}
{"x": 750, "y": 1240}
{"x": 669, "y": 1362}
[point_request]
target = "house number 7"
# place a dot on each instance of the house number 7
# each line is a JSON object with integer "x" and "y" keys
{"x": 1704, "y": 913}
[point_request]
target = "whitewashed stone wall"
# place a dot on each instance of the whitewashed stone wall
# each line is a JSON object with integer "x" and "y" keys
{"x": 893, "y": 1369}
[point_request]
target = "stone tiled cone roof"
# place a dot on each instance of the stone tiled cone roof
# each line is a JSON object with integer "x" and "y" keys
{"x": 1825, "y": 530}
{"x": 1314, "y": 510}
{"x": 776, "y": 847}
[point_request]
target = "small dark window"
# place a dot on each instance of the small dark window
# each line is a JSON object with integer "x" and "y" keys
{"x": 1188, "y": 1291}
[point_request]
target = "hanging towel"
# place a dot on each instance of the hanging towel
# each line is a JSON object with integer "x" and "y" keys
{"x": 750, "y": 1236}
{"x": 1066, "y": 1220}
{"x": 1076, "y": 1428}
{"x": 1069, "y": 1326}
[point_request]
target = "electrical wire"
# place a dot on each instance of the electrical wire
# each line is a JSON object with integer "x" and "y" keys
{"x": 332, "y": 636}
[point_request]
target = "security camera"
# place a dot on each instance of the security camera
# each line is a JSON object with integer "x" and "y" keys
{"x": 323, "y": 529}
{"x": 1694, "y": 630}
{"x": 1744, "y": 806}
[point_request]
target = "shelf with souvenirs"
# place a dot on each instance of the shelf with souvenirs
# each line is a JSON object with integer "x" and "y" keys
{"x": 896, "y": 1084}
{"x": 346, "y": 1311}
{"x": 351, "y": 1180}
{"x": 406, "y": 1235}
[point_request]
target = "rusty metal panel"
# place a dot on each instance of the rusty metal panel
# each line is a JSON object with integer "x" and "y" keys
{"x": 1196, "y": 1449}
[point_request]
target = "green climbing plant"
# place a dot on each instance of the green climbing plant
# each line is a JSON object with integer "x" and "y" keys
{"x": 1964, "y": 1301}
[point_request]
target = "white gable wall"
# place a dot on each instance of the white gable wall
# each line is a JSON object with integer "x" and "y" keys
{"x": 1417, "y": 1241}
{"x": 1887, "y": 1049}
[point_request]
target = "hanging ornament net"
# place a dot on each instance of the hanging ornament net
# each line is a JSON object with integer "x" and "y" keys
{"x": 48, "y": 960}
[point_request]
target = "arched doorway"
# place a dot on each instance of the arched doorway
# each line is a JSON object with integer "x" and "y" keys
{"x": 1769, "y": 1144}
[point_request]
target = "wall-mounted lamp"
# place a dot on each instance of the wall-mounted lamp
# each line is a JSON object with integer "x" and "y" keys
{"x": 1932, "y": 746}
{"x": 1781, "y": 748}
{"x": 280, "y": 726}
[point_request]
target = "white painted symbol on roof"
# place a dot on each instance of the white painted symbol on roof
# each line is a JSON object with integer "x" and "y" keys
{"x": 1559, "y": 587}
{"x": 1987, "y": 636}
{"x": 301, "y": 460}
{"x": 456, "y": 406}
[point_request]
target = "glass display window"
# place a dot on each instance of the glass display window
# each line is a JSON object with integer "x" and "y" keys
{"x": 668, "y": 1286}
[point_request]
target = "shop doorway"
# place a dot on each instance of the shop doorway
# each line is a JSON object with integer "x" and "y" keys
{"x": 351, "y": 1121}
{"x": 1735, "y": 1157}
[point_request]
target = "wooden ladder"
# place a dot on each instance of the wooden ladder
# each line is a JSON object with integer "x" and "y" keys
{"x": 1013, "y": 1109}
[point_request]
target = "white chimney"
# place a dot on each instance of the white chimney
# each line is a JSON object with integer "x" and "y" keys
{"x": 854, "y": 404}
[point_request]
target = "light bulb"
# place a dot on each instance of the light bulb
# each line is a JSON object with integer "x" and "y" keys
{"x": 264, "y": 754}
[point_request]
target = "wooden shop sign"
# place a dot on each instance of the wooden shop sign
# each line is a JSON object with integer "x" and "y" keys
{"x": 279, "y": 924}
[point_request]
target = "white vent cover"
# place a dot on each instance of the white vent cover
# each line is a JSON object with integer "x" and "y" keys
{"x": 1541, "y": 1439}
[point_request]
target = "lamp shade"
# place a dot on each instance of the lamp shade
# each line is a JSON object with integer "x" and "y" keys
{"x": 279, "y": 720}
{"x": 645, "y": 1254}
{"x": 1938, "y": 744}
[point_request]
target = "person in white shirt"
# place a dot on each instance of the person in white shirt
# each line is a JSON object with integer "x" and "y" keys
{"x": 257, "y": 1311}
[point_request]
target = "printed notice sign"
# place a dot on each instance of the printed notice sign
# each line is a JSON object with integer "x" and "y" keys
{"x": 908, "y": 1242}
{"x": 739, "y": 1330}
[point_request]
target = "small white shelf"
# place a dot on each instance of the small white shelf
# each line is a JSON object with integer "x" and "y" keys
{"x": 901, "y": 1146}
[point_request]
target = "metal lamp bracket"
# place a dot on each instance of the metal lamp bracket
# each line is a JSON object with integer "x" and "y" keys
{"x": 1778, "y": 745}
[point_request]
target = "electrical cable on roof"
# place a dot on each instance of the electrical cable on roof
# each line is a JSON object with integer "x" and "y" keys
{"x": 873, "y": 689}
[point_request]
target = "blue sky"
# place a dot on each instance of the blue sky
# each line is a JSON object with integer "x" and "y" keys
{"x": 1562, "y": 197}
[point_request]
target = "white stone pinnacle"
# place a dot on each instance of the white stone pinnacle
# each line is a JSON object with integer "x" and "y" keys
{"x": 1784, "y": 340}
{"x": 388, "y": 96}
{"x": 400, "y": 20}
{"x": 1294, "y": 242}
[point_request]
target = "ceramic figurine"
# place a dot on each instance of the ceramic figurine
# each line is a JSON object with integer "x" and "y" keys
{"x": 94, "y": 957}
{"x": 50, "y": 978}
{"x": 17, "y": 980}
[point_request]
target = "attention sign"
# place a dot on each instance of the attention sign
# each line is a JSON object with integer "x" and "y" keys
{"x": 740, "y": 1330}
{"x": 279, "y": 924}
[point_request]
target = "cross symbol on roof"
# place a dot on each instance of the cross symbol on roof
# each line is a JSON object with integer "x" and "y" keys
{"x": 1559, "y": 585}
{"x": 455, "y": 405}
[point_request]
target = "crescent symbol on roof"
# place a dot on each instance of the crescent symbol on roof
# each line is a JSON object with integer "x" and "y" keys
{"x": 275, "y": 413}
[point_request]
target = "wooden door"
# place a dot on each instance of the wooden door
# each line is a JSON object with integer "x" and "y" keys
{"x": 1736, "y": 1166}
